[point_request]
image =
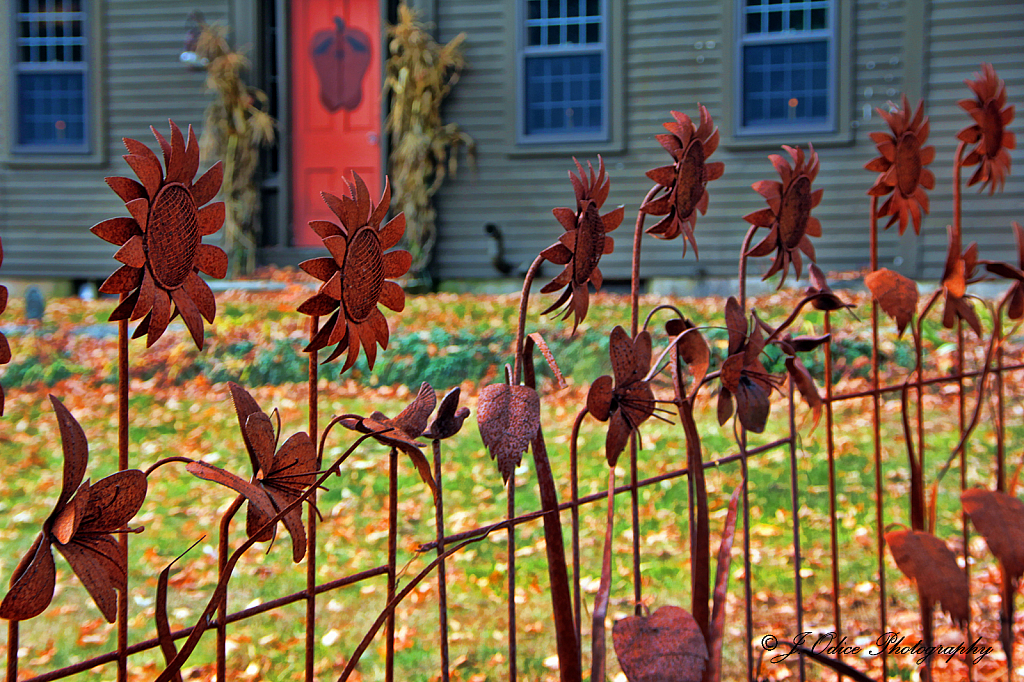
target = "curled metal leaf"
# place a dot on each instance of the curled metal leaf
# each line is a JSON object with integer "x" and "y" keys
{"x": 999, "y": 518}
{"x": 896, "y": 294}
{"x": 666, "y": 646}
{"x": 930, "y": 563}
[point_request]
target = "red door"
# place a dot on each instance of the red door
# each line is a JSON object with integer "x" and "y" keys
{"x": 335, "y": 104}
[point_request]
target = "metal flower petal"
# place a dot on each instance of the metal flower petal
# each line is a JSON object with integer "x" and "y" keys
{"x": 356, "y": 278}
{"x": 80, "y": 526}
{"x": 161, "y": 250}
{"x": 402, "y": 431}
{"x": 628, "y": 401}
{"x": 284, "y": 473}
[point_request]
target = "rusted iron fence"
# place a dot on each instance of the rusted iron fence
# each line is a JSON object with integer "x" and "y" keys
{"x": 162, "y": 254}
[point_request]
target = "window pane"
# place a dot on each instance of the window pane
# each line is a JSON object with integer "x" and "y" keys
{"x": 572, "y": 34}
{"x": 572, "y": 8}
{"x": 554, "y": 9}
{"x": 554, "y": 35}
{"x": 563, "y": 94}
{"x": 51, "y": 109}
{"x": 785, "y": 83}
{"x": 533, "y": 9}
{"x": 818, "y": 18}
{"x": 754, "y": 23}
{"x": 593, "y": 32}
{"x": 533, "y": 35}
{"x": 593, "y": 8}
{"x": 774, "y": 22}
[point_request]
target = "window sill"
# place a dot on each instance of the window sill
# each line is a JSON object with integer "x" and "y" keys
{"x": 772, "y": 140}
{"x": 52, "y": 160}
{"x": 565, "y": 147}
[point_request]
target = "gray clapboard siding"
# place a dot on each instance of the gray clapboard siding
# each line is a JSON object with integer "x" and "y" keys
{"x": 46, "y": 213}
{"x": 661, "y": 73}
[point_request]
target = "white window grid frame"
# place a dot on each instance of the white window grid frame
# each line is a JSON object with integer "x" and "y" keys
{"x": 19, "y": 67}
{"x": 787, "y": 37}
{"x": 525, "y": 51}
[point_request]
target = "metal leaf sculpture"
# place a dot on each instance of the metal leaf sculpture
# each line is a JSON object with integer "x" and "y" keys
{"x": 958, "y": 273}
{"x": 666, "y": 646}
{"x": 897, "y": 295}
{"x": 161, "y": 242}
{"x": 508, "y": 418}
{"x": 788, "y": 216}
{"x": 743, "y": 374}
{"x": 989, "y": 130}
{"x": 402, "y": 431}
{"x": 685, "y": 181}
{"x": 1015, "y": 295}
{"x": 81, "y": 526}
{"x": 5, "y": 347}
{"x": 627, "y": 401}
{"x": 901, "y": 166}
{"x": 930, "y": 563}
{"x": 999, "y": 518}
{"x": 580, "y": 248}
{"x": 283, "y": 474}
{"x": 356, "y": 276}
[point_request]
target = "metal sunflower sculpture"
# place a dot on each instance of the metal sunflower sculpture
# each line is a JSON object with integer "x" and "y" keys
{"x": 81, "y": 526}
{"x": 686, "y": 179}
{"x": 788, "y": 216}
{"x": 584, "y": 242}
{"x": 989, "y": 130}
{"x": 901, "y": 166}
{"x": 161, "y": 242}
{"x": 355, "y": 276}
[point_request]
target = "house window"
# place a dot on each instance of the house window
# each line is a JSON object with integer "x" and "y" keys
{"x": 50, "y": 76}
{"x": 787, "y": 74}
{"x": 563, "y": 71}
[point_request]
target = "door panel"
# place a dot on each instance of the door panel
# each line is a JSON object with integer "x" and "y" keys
{"x": 336, "y": 68}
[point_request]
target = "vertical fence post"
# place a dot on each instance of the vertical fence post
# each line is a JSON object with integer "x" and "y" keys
{"x": 511, "y": 577}
{"x": 313, "y": 409}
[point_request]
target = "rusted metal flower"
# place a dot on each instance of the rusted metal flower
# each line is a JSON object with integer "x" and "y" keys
{"x": 989, "y": 130}
{"x": 356, "y": 276}
{"x": 580, "y": 248}
{"x": 81, "y": 526}
{"x": 284, "y": 474}
{"x": 5, "y": 347}
{"x": 402, "y": 431}
{"x": 161, "y": 242}
{"x": 960, "y": 271}
{"x": 788, "y": 216}
{"x": 791, "y": 345}
{"x": 686, "y": 179}
{"x": 627, "y": 401}
{"x": 743, "y": 375}
{"x": 1015, "y": 295}
{"x": 901, "y": 166}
